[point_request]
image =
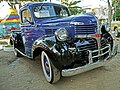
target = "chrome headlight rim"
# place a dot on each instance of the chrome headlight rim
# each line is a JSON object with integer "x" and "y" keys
{"x": 61, "y": 34}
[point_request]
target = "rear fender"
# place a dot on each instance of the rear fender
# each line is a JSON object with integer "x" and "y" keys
{"x": 15, "y": 35}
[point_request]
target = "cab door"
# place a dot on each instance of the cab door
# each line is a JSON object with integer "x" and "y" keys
{"x": 29, "y": 31}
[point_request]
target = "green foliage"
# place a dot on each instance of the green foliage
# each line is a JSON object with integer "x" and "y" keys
{"x": 72, "y": 6}
{"x": 116, "y": 5}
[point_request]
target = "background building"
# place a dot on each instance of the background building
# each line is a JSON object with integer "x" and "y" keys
{"x": 96, "y": 7}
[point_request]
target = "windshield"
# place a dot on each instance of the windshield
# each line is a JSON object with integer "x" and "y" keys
{"x": 50, "y": 11}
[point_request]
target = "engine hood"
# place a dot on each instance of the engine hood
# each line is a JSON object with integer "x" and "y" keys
{"x": 54, "y": 20}
{"x": 50, "y": 25}
{"x": 85, "y": 19}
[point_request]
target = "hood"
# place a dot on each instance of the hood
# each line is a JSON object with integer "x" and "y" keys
{"x": 85, "y": 24}
{"x": 86, "y": 19}
{"x": 54, "y": 20}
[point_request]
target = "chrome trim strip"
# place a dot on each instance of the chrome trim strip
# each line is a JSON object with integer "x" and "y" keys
{"x": 105, "y": 53}
{"x": 100, "y": 50}
{"x": 82, "y": 36}
{"x": 100, "y": 54}
{"x": 22, "y": 53}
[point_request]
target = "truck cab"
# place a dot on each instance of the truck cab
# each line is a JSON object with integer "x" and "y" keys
{"x": 67, "y": 45}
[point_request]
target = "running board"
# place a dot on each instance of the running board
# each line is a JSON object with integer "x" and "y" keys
{"x": 22, "y": 53}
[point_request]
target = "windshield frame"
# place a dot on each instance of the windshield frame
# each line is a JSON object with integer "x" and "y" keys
{"x": 53, "y": 7}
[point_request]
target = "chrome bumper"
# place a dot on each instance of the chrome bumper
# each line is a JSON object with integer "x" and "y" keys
{"x": 91, "y": 65}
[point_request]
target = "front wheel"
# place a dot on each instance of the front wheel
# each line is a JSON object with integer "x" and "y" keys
{"x": 51, "y": 73}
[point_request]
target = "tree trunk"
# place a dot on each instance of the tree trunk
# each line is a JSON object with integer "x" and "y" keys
{"x": 109, "y": 12}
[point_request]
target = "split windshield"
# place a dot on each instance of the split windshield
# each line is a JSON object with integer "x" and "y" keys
{"x": 50, "y": 11}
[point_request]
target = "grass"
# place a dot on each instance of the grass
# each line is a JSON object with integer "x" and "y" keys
{"x": 7, "y": 46}
{"x": 3, "y": 43}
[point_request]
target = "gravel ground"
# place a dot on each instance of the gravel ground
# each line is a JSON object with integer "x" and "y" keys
{"x": 25, "y": 74}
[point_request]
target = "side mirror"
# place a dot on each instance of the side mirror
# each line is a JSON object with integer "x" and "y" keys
{"x": 26, "y": 19}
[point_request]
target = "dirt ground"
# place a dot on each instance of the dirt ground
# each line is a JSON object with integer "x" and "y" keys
{"x": 25, "y": 74}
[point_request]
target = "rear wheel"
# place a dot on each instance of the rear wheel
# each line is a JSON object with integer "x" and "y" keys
{"x": 51, "y": 73}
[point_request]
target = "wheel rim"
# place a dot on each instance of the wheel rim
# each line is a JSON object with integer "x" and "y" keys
{"x": 116, "y": 32}
{"x": 46, "y": 66}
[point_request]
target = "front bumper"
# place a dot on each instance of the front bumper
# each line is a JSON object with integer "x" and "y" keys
{"x": 91, "y": 65}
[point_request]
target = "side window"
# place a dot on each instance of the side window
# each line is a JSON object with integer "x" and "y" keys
{"x": 61, "y": 11}
{"x": 26, "y": 16}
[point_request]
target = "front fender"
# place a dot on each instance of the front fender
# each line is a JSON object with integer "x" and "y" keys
{"x": 47, "y": 43}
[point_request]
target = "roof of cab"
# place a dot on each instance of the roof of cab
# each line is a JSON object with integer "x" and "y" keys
{"x": 39, "y": 3}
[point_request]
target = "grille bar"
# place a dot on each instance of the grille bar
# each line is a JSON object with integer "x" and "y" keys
{"x": 102, "y": 54}
{"x": 91, "y": 46}
{"x": 88, "y": 47}
{"x": 103, "y": 43}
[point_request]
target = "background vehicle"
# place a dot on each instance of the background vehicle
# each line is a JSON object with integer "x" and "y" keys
{"x": 115, "y": 26}
{"x": 67, "y": 45}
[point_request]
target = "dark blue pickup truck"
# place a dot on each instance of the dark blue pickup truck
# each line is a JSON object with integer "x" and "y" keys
{"x": 67, "y": 45}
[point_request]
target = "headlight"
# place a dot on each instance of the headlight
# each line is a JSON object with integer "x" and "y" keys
{"x": 61, "y": 34}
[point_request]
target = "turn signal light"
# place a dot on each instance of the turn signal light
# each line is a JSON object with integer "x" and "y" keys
{"x": 96, "y": 36}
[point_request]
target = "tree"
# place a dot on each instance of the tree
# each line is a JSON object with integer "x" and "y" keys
{"x": 13, "y": 3}
{"x": 110, "y": 11}
{"x": 116, "y": 5}
{"x": 72, "y": 6}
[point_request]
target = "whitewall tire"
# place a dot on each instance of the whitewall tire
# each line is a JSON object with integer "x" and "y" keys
{"x": 51, "y": 73}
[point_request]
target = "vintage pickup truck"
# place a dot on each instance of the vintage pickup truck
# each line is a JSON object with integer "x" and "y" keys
{"x": 67, "y": 45}
{"x": 115, "y": 26}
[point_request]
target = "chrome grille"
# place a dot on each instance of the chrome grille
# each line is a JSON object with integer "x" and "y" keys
{"x": 91, "y": 46}
{"x": 85, "y": 29}
{"x": 103, "y": 43}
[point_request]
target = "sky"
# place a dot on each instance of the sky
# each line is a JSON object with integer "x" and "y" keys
{"x": 89, "y": 3}
{"x": 4, "y": 9}
{"x": 92, "y": 3}
{"x": 83, "y": 3}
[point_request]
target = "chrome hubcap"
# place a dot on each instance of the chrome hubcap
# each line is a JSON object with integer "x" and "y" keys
{"x": 46, "y": 66}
